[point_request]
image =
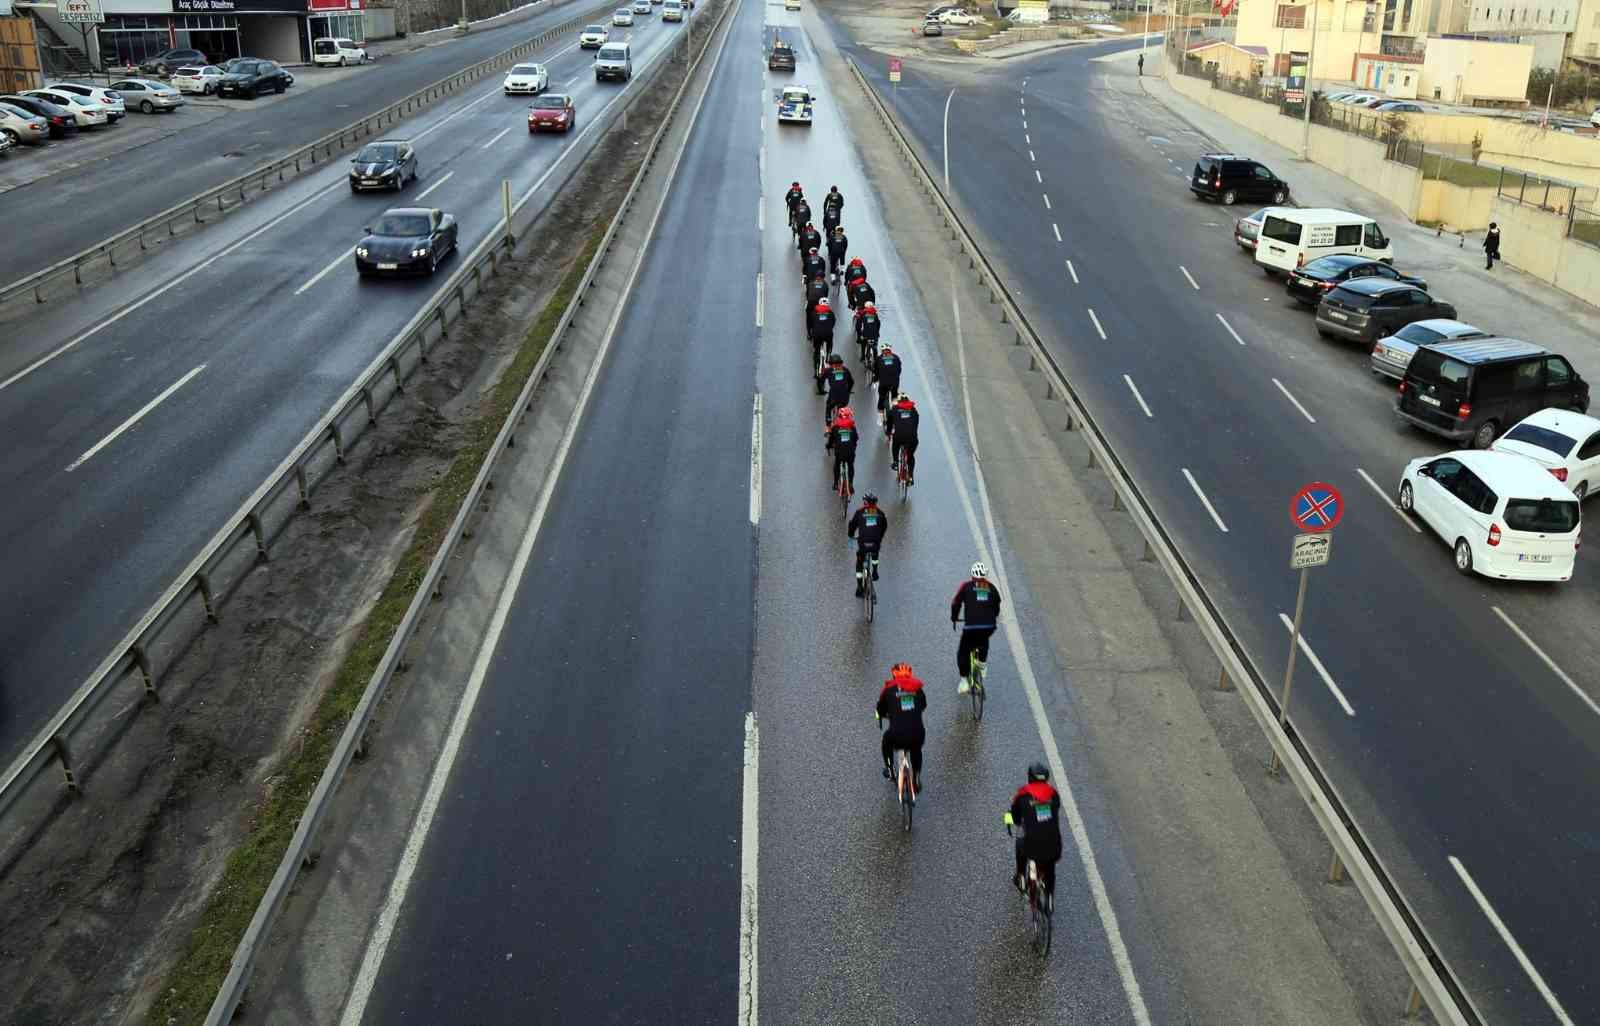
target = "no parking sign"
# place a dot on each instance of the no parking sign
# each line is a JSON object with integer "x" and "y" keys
{"x": 894, "y": 69}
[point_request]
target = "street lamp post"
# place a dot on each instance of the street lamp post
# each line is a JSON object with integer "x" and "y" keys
{"x": 1305, "y": 96}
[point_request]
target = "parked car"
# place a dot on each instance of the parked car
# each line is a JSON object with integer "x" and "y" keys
{"x": 1308, "y": 284}
{"x": 166, "y": 62}
{"x": 62, "y": 122}
{"x": 86, "y": 113}
{"x": 622, "y": 16}
{"x": 1293, "y": 237}
{"x": 1398, "y": 107}
{"x": 147, "y": 96}
{"x": 1472, "y": 389}
{"x": 108, "y": 98}
{"x": 22, "y": 126}
{"x": 781, "y": 58}
{"x": 932, "y": 27}
{"x": 1392, "y": 354}
{"x": 7, "y": 144}
{"x": 1594, "y": 119}
{"x": 591, "y": 37}
{"x": 385, "y": 164}
{"x": 1247, "y": 229}
{"x": 201, "y": 79}
{"x": 957, "y": 17}
{"x": 1366, "y": 309}
{"x": 554, "y": 112}
{"x": 526, "y": 78}
{"x": 338, "y": 51}
{"x": 1566, "y": 444}
{"x": 1229, "y": 178}
{"x": 406, "y": 239}
{"x": 1501, "y": 514}
{"x": 250, "y": 77}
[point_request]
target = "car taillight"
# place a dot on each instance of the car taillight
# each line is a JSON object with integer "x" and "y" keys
{"x": 1299, "y": 260}
{"x": 1402, "y": 386}
{"x": 1325, "y": 285}
{"x": 1216, "y": 179}
{"x": 1494, "y": 534}
{"x": 1560, "y": 473}
{"x": 1463, "y": 411}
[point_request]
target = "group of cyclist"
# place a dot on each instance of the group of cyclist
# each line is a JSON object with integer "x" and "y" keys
{"x": 975, "y": 610}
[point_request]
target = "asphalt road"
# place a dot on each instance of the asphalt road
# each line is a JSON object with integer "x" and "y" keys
{"x": 1461, "y": 751}
{"x": 245, "y": 342}
{"x": 106, "y": 196}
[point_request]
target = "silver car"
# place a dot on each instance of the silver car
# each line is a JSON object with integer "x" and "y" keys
{"x": 147, "y": 96}
{"x": 1247, "y": 229}
{"x": 22, "y": 126}
{"x": 1392, "y": 354}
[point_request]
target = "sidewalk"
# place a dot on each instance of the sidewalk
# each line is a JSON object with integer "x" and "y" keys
{"x": 1505, "y": 301}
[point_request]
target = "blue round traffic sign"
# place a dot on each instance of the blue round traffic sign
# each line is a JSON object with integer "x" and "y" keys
{"x": 1316, "y": 507}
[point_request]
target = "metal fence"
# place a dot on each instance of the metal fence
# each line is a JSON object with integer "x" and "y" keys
{"x": 1548, "y": 194}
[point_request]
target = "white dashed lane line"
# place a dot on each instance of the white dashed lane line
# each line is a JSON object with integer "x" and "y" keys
{"x": 1551, "y": 663}
{"x": 1032, "y": 157}
{"x": 1037, "y": 176}
{"x": 1190, "y": 277}
{"x": 1316, "y": 664}
{"x": 1027, "y": 138}
{"x": 1235, "y": 334}
{"x": 1072, "y": 271}
{"x": 1098, "y": 329}
{"x": 1135, "y": 390}
{"x": 1511, "y": 942}
{"x": 1046, "y": 200}
{"x": 495, "y": 138}
{"x": 1387, "y": 501}
{"x": 1057, "y": 229}
{"x": 1204, "y": 501}
{"x": 1287, "y": 395}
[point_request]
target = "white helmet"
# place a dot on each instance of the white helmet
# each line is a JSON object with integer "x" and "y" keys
{"x": 979, "y": 571}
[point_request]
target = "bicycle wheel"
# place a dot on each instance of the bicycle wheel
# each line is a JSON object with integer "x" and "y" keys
{"x": 908, "y": 793}
{"x": 869, "y": 591}
{"x": 903, "y": 474}
{"x": 1041, "y": 923}
{"x": 975, "y": 686}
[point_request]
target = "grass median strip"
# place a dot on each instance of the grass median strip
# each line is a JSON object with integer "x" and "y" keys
{"x": 192, "y": 984}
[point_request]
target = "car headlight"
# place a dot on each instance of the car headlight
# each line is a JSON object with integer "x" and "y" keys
{"x": 361, "y": 251}
{"x": 387, "y": 172}
{"x": 420, "y": 251}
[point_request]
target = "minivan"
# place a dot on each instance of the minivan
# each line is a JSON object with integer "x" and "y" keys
{"x": 1476, "y": 388}
{"x": 615, "y": 60}
{"x": 1228, "y": 178}
{"x": 1293, "y": 238}
{"x": 337, "y": 50}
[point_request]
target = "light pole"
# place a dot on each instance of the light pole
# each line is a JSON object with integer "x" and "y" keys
{"x": 1305, "y": 97}
{"x": 463, "y": 15}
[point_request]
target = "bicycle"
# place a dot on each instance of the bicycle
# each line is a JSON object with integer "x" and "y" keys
{"x": 905, "y": 787}
{"x": 869, "y": 587}
{"x": 1039, "y": 903}
{"x": 903, "y": 473}
{"x": 844, "y": 486}
{"x": 975, "y": 673}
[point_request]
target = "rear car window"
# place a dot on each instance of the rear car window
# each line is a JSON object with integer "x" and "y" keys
{"x": 1418, "y": 334}
{"x": 1353, "y": 300}
{"x": 1280, "y": 229}
{"x": 1543, "y": 437}
{"x": 1429, "y": 365}
{"x": 1544, "y": 516}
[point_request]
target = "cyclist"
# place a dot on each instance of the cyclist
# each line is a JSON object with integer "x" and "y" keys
{"x": 861, "y": 293}
{"x": 842, "y": 441}
{"x": 886, "y": 369}
{"x": 900, "y": 424}
{"x": 838, "y": 245}
{"x": 867, "y": 526}
{"x": 979, "y": 600}
{"x": 830, "y": 219}
{"x": 820, "y": 328}
{"x": 812, "y": 265}
{"x": 802, "y": 212}
{"x": 809, "y": 239}
{"x": 834, "y": 200}
{"x": 1036, "y": 814}
{"x": 793, "y": 197}
{"x": 816, "y": 291}
{"x": 854, "y": 271}
{"x": 901, "y": 702}
{"x": 867, "y": 327}
{"x": 838, "y": 382}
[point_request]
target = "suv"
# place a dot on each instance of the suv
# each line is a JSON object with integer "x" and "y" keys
{"x": 252, "y": 78}
{"x": 1476, "y": 388}
{"x": 164, "y": 63}
{"x": 592, "y": 37}
{"x": 615, "y": 60}
{"x": 1366, "y": 309}
{"x": 1228, "y": 178}
{"x": 781, "y": 58}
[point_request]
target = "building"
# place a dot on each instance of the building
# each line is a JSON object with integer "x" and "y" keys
{"x": 1584, "y": 46}
{"x": 1229, "y": 60}
{"x": 1471, "y": 72}
{"x": 1547, "y": 25}
{"x": 1344, "y": 28}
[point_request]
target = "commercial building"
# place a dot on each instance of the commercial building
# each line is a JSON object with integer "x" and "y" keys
{"x": 1471, "y": 72}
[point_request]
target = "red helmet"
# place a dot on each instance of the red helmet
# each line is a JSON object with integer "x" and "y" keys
{"x": 901, "y": 670}
{"x": 904, "y": 400}
{"x": 856, "y": 262}
{"x": 869, "y": 308}
{"x": 822, "y": 304}
{"x": 813, "y": 251}
{"x": 844, "y": 414}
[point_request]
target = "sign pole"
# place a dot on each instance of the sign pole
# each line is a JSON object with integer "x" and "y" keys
{"x": 1288, "y": 673}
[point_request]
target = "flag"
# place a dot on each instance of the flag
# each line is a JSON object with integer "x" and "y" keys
{"x": 1223, "y": 7}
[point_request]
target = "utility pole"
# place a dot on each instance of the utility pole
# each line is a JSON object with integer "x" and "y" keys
{"x": 463, "y": 25}
{"x": 1311, "y": 63}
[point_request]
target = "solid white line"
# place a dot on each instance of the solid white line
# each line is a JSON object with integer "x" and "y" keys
{"x": 755, "y": 461}
{"x": 1135, "y": 390}
{"x": 1037, "y": 176}
{"x": 335, "y": 262}
{"x": 1032, "y": 157}
{"x": 761, "y": 296}
{"x": 1388, "y": 501}
{"x": 1046, "y": 198}
{"x": 442, "y": 179}
{"x": 1501, "y": 613}
{"x": 1292, "y": 399}
{"x": 1511, "y": 942}
{"x": 1204, "y": 501}
{"x": 496, "y": 138}
{"x": 1072, "y": 271}
{"x": 1322, "y": 671}
{"x": 131, "y": 421}
{"x": 749, "y": 877}
{"x": 1057, "y": 229}
{"x": 1186, "y": 274}
{"x": 947, "y": 100}
{"x": 1235, "y": 334}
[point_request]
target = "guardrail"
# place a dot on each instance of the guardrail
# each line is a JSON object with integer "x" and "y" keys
{"x": 236, "y": 191}
{"x": 294, "y": 857}
{"x": 1432, "y": 980}
{"x": 193, "y": 599}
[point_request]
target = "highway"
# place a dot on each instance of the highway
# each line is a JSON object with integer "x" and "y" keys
{"x": 1462, "y": 753}
{"x": 607, "y": 741}
{"x": 152, "y": 407}
{"x": 106, "y": 196}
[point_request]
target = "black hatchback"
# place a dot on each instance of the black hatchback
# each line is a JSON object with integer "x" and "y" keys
{"x": 1228, "y": 178}
{"x": 1307, "y": 285}
{"x": 252, "y": 78}
{"x": 62, "y": 122}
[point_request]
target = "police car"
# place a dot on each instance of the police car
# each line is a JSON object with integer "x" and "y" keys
{"x": 794, "y": 104}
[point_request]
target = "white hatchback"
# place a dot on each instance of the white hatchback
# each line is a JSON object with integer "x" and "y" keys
{"x": 527, "y": 78}
{"x": 1565, "y": 443}
{"x": 1501, "y": 514}
{"x": 197, "y": 79}
{"x": 622, "y": 16}
{"x": 110, "y": 99}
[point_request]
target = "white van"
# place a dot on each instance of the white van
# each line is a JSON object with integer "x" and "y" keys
{"x": 337, "y": 50}
{"x": 1292, "y": 238}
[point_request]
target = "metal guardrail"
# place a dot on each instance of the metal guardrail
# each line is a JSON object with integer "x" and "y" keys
{"x": 1432, "y": 980}
{"x": 237, "y": 191}
{"x": 283, "y": 880}
{"x": 192, "y": 600}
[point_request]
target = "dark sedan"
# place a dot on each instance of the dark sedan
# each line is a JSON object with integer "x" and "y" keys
{"x": 166, "y": 63}
{"x": 385, "y": 164}
{"x": 62, "y": 122}
{"x": 252, "y": 78}
{"x": 406, "y": 239}
{"x": 1310, "y": 283}
{"x": 1367, "y": 309}
{"x": 553, "y": 112}
{"x": 781, "y": 58}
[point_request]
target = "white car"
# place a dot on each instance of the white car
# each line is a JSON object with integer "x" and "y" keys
{"x": 672, "y": 10}
{"x": 592, "y": 37}
{"x": 622, "y": 16}
{"x": 958, "y": 17}
{"x": 527, "y": 78}
{"x": 641, "y": 6}
{"x": 791, "y": 5}
{"x": 197, "y": 79}
{"x": 85, "y": 113}
{"x": 110, "y": 99}
{"x": 1565, "y": 443}
{"x": 338, "y": 52}
{"x": 1503, "y": 515}
{"x": 794, "y": 104}
{"x": 147, "y": 96}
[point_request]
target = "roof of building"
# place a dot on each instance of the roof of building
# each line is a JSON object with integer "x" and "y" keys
{"x": 1259, "y": 52}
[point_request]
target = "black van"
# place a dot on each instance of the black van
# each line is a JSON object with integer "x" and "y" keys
{"x": 1228, "y": 178}
{"x": 1477, "y": 388}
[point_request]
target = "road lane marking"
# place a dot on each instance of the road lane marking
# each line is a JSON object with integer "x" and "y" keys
{"x": 1032, "y": 157}
{"x": 335, "y": 262}
{"x": 1135, "y": 390}
{"x": 761, "y": 213}
{"x": 1046, "y": 196}
{"x": 1057, "y": 229}
{"x": 496, "y": 138}
{"x": 1511, "y": 942}
{"x": 1568, "y": 681}
{"x": 131, "y": 421}
{"x": 1204, "y": 501}
{"x": 755, "y": 461}
{"x": 1316, "y": 664}
{"x": 1072, "y": 271}
{"x": 749, "y": 876}
{"x": 947, "y": 100}
{"x": 1186, "y": 274}
{"x": 443, "y": 178}
{"x": 1292, "y": 399}
{"x": 1024, "y": 124}
{"x": 1388, "y": 501}
{"x": 1027, "y": 138}
{"x": 1096, "y": 321}
{"x": 761, "y": 296}
{"x": 1235, "y": 334}
{"x": 1037, "y": 177}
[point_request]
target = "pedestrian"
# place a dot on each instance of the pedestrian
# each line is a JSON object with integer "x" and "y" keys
{"x": 1141, "y": 65}
{"x": 1491, "y": 246}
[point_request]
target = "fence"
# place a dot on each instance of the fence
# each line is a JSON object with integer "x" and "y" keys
{"x": 1548, "y": 194}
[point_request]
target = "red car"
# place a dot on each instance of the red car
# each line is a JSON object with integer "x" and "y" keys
{"x": 552, "y": 112}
